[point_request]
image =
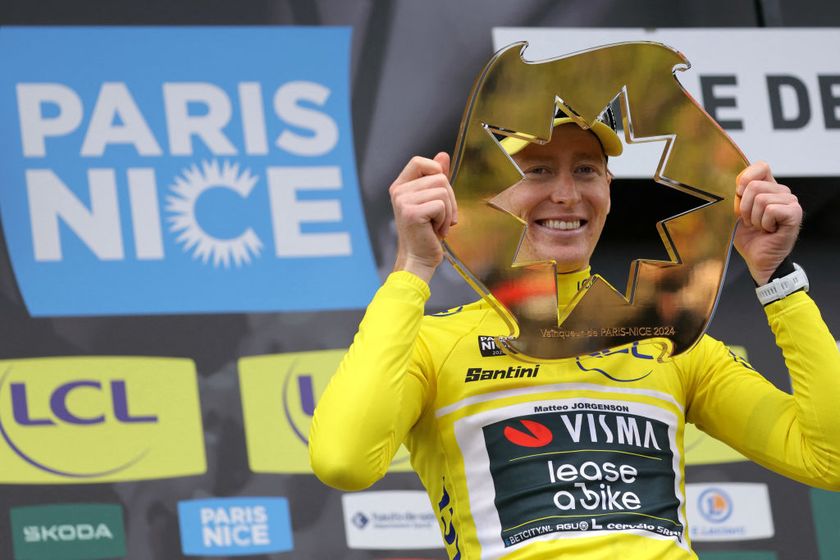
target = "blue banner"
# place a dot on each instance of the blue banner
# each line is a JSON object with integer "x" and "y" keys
{"x": 235, "y": 526}
{"x": 181, "y": 170}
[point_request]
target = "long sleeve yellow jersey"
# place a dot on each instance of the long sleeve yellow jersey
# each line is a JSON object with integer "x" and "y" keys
{"x": 573, "y": 458}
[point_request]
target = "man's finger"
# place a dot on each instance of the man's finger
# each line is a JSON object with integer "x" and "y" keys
{"x": 418, "y": 167}
{"x": 744, "y": 204}
{"x": 758, "y": 171}
{"x": 771, "y": 209}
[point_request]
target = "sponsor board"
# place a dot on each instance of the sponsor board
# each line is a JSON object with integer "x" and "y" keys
{"x": 570, "y": 468}
{"x": 68, "y": 532}
{"x": 279, "y": 393}
{"x": 390, "y": 520}
{"x": 99, "y": 419}
{"x": 732, "y": 511}
{"x": 173, "y": 170}
{"x": 783, "y": 108}
{"x": 235, "y": 526}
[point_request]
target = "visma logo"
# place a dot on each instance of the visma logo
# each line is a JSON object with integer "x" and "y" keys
{"x": 285, "y": 388}
{"x": 74, "y": 420}
{"x": 180, "y": 173}
{"x": 534, "y": 434}
{"x": 235, "y": 526}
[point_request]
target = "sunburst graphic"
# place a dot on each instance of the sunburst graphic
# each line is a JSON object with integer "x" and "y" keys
{"x": 186, "y": 190}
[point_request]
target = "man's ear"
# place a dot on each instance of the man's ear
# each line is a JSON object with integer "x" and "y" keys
{"x": 609, "y": 186}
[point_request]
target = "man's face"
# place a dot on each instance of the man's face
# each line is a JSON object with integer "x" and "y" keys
{"x": 564, "y": 197}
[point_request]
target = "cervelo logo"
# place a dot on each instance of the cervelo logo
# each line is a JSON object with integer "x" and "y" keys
{"x": 285, "y": 388}
{"x": 59, "y": 531}
{"x": 73, "y": 420}
{"x": 729, "y": 511}
{"x": 235, "y": 526}
{"x": 203, "y": 166}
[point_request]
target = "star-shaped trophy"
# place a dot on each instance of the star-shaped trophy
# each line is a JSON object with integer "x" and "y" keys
{"x": 515, "y": 102}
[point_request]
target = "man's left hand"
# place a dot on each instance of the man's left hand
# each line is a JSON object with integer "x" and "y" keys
{"x": 770, "y": 217}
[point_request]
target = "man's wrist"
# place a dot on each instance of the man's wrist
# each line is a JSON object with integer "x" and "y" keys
{"x": 785, "y": 281}
{"x": 785, "y": 268}
{"x": 421, "y": 269}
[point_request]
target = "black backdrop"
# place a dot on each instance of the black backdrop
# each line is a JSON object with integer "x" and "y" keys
{"x": 411, "y": 69}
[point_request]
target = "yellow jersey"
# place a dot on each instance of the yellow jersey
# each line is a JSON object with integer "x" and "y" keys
{"x": 573, "y": 458}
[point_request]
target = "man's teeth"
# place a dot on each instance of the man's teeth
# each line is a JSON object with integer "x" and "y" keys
{"x": 560, "y": 224}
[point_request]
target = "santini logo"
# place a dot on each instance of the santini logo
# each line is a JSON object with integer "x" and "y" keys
{"x": 240, "y": 179}
{"x": 478, "y": 374}
{"x": 71, "y": 420}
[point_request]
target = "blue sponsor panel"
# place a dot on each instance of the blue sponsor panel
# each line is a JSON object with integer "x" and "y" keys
{"x": 181, "y": 170}
{"x": 235, "y": 526}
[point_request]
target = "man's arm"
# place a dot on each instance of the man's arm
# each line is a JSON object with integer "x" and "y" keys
{"x": 797, "y": 435}
{"x": 381, "y": 386}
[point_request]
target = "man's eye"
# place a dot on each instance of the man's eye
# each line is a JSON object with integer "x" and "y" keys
{"x": 586, "y": 169}
{"x": 537, "y": 170}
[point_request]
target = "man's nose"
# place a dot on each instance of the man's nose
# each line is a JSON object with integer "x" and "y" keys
{"x": 564, "y": 189}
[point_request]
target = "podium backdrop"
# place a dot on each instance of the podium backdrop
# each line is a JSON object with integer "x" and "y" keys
{"x": 194, "y": 210}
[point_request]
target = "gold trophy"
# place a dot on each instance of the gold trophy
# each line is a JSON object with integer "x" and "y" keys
{"x": 514, "y": 101}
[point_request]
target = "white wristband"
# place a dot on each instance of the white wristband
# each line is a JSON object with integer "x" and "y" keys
{"x": 783, "y": 287}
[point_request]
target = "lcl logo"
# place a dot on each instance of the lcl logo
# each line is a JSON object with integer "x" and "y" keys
{"x": 59, "y": 405}
{"x": 99, "y": 419}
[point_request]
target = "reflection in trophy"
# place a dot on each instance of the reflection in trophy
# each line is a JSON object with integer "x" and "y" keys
{"x": 516, "y": 258}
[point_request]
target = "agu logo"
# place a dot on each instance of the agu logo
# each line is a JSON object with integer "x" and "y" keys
{"x": 180, "y": 172}
{"x": 714, "y": 505}
{"x": 279, "y": 395}
{"x": 76, "y": 420}
{"x": 68, "y": 531}
{"x": 235, "y": 526}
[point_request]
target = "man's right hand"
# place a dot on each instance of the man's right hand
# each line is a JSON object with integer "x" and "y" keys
{"x": 424, "y": 210}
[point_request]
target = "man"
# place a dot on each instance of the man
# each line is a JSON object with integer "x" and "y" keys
{"x": 573, "y": 458}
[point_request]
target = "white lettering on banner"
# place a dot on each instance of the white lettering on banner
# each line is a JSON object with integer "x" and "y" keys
{"x": 145, "y": 217}
{"x": 324, "y": 128}
{"x": 253, "y": 118}
{"x": 116, "y": 119}
{"x": 115, "y": 101}
{"x": 783, "y": 108}
{"x": 182, "y": 126}
{"x": 290, "y": 213}
{"x": 35, "y": 127}
{"x": 234, "y": 526}
{"x": 99, "y": 227}
{"x": 66, "y": 533}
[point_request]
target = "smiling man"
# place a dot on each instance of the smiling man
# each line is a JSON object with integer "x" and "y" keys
{"x": 579, "y": 457}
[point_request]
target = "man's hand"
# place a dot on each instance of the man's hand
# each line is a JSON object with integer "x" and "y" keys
{"x": 770, "y": 216}
{"x": 424, "y": 210}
